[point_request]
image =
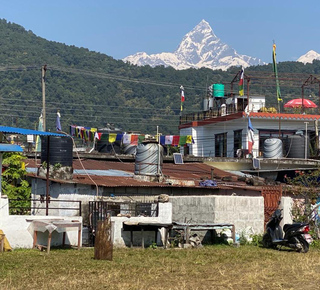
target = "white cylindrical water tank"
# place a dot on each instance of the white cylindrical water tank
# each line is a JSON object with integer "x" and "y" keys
{"x": 272, "y": 148}
{"x": 149, "y": 159}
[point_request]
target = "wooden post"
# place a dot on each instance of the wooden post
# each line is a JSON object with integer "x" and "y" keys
{"x": 43, "y": 82}
{"x": 103, "y": 248}
{"x": 49, "y": 242}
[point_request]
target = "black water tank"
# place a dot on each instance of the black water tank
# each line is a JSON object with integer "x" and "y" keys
{"x": 60, "y": 150}
{"x": 104, "y": 146}
{"x": 296, "y": 146}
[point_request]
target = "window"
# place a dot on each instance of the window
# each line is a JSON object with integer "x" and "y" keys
{"x": 221, "y": 145}
{"x": 237, "y": 141}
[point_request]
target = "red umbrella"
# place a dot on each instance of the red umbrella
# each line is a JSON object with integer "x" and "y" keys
{"x": 297, "y": 103}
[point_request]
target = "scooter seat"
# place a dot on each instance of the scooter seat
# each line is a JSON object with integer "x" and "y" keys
{"x": 290, "y": 227}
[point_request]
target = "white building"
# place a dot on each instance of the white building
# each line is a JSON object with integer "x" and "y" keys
{"x": 221, "y": 134}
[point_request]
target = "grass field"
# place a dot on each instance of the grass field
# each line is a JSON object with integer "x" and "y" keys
{"x": 212, "y": 267}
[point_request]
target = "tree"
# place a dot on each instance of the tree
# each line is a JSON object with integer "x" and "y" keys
{"x": 305, "y": 188}
{"x": 14, "y": 183}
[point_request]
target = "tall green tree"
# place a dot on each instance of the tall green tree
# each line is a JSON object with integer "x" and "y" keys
{"x": 14, "y": 183}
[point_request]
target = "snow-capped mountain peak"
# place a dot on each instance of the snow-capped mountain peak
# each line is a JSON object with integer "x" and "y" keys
{"x": 198, "y": 48}
{"x": 309, "y": 57}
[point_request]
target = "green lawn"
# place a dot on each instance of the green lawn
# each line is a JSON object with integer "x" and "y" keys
{"x": 211, "y": 267}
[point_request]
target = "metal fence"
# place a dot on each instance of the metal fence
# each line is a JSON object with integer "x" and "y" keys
{"x": 30, "y": 206}
{"x": 98, "y": 211}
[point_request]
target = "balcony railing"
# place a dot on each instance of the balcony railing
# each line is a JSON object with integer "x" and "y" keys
{"x": 204, "y": 115}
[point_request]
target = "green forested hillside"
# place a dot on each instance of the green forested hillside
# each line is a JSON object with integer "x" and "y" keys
{"x": 91, "y": 89}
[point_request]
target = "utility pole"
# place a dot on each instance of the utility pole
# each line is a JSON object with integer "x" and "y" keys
{"x": 43, "y": 82}
{"x": 159, "y": 160}
{"x": 306, "y": 142}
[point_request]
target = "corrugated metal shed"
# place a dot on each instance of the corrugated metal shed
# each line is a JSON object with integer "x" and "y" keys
{"x": 13, "y": 130}
{"x": 10, "y": 148}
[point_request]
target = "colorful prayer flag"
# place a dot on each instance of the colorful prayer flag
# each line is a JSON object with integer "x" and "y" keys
{"x": 112, "y": 137}
{"x": 189, "y": 139}
{"x": 250, "y": 136}
{"x": 162, "y": 140}
{"x": 58, "y": 125}
{"x": 126, "y": 139}
{"x": 182, "y": 96}
{"x": 182, "y": 140}
{"x": 276, "y": 72}
{"x": 241, "y": 82}
{"x": 141, "y": 138}
{"x": 168, "y": 139}
{"x": 175, "y": 140}
{"x": 182, "y": 93}
{"x": 97, "y": 135}
{"x": 134, "y": 139}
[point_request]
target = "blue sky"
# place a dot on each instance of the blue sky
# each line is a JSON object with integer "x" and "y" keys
{"x": 120, "y": 28}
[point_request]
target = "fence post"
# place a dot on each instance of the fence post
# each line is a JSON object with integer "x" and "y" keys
{"x": 103, "y": 248}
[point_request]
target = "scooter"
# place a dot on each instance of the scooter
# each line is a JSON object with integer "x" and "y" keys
{"x": 296, "y": 236}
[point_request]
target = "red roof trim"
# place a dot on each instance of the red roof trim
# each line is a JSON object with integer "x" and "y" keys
{"x": 211, "y": 121}
{"x": 283, "y": 116}
{"x": 253, "y": 115}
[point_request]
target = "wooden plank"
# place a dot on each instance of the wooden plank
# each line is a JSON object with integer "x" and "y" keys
{"x": 103, "y": 248}
{"x": 2, "y": 236}
{"x": 49, "y": 242}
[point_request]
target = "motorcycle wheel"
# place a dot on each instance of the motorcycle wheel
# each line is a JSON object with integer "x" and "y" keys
{"x": 304, "y": 245}
{"x": 266, "y": 241}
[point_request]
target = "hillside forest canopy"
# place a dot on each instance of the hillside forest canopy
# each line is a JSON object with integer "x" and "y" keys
{"x": 92, "y": 89}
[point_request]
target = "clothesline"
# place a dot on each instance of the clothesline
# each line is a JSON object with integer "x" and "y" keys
{"x": 89, "y": 134}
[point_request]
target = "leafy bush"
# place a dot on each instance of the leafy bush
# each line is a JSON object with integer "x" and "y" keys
{"x": 14, "y": 184}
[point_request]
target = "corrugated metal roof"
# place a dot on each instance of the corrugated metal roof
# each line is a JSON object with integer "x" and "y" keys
{"x": 109, "y": 172}
{"x": 193, "y": 171}
{"x": 13, "y": 130}
{"x": 182, "y": 175}
{"x": 10, "y": 148}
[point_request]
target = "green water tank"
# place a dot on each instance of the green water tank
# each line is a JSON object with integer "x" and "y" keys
{"x": 218, "y": 90}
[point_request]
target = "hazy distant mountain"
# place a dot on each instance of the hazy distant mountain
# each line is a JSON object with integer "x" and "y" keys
{"x": 199, "y": 48}
{"x": 309, "y": 57}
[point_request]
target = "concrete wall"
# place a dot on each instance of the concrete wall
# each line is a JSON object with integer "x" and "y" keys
{"x": 286, "y": 206}
{"x": 15, "y": 227}
{"x": 242, "y": 211}
{"x": 121, "y": 238}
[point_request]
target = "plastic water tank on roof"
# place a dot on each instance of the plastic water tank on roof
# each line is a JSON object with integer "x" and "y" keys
{"x": 272, "y": 148}
{"x": 60, "y": 150}
{"x": 149, "y": 159}
{"x": 218, "y": 90}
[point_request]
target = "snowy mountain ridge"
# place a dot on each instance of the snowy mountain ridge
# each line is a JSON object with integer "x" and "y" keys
{"x": 198, "y": 48}
{"x": 309, "y": 57}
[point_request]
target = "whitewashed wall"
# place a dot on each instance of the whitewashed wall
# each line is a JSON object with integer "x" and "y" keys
{"x": 203, "y": 136}
{"x": 15, "y": 227}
